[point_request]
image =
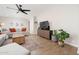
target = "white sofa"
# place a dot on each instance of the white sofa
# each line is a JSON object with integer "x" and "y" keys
{"x": 13, "y": 49}
{"x": 3, "y": 37}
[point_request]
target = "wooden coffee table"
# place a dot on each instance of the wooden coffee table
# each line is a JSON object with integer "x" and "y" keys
{"x": 18, "y": 38}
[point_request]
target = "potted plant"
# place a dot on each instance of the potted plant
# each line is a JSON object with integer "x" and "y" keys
{"x": 61, "y": 36}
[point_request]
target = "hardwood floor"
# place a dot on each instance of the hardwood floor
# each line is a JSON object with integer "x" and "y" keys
{"x": 41, "y": 46}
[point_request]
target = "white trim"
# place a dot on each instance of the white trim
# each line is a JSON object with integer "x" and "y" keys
{"x": 72, "y": 44}
{"x": 78, "y": 51}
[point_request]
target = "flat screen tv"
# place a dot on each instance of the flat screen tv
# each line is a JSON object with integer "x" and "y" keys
{"x": 44, "y": 25}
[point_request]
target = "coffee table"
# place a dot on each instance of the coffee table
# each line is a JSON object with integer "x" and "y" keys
{"x": 18, "y": 38}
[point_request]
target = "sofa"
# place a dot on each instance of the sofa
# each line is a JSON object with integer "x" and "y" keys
{"x": 23, "y": 29}
{"x": 3, "y": 37}
{"x": 13, "y": 49}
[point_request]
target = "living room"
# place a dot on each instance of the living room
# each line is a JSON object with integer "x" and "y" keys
{"x": 58, "y": 16}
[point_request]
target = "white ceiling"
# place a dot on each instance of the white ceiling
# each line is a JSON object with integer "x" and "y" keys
{"x": 36, "y": 9}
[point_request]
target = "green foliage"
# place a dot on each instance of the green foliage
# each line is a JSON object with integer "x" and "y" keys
{"x": 62, "y": 35}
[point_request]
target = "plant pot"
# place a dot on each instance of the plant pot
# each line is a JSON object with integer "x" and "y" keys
{"x": 54, "y": 39}
{"x": 61, "y": 43}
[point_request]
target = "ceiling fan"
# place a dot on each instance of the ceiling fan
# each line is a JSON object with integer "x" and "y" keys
{"x": 19, "y": 8}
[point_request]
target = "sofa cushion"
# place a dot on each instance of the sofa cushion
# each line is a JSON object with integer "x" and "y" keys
{"x": 23, "y": 29}
{"x": 12, "y": 30}
{"x": 13, "y": 49}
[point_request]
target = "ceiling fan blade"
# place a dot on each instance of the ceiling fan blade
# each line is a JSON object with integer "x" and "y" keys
{"x": 17, "y": 6}
{"x": 26, "y": 10}
{"x": 12, "y": 8}
{"x": 20, "y": 5}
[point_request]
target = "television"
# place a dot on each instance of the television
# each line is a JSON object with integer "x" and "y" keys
{"x": 44, "y": 25}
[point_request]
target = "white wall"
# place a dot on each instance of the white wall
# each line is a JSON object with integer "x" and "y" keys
{"x": 65, "y": 17}
{"x": 31, "y": 25}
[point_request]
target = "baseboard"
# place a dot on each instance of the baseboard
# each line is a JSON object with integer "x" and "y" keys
{"x": 72, "y": 44}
